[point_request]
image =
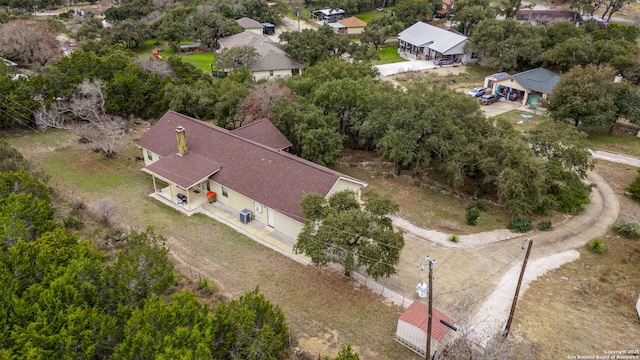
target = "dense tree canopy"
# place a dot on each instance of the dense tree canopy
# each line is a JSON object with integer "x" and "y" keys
{"x": 312, "y": 46}
{"x": 589, "y": 96}
{"x": 61, "y": 298}
{"x": 505, "y": 44}
{"x": 412, "y": 11}
{"x": 470, "y": 13}
{"x": 338, "y": 230}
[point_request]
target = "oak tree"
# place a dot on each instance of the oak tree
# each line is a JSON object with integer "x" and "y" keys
{"x": 339, "y": 230}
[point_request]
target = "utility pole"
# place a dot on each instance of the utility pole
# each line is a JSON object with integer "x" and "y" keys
{"x": 427, "y": 353}
{"x": 505, "y": 332}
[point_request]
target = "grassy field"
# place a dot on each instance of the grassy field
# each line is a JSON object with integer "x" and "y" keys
{"x": 388, "y": 54}
{"x": 370, "y": 15}
{"x": 622, "y": 140}
{"x": 421, "y": 203}
{"x": 515, "y": 116}
{"x": 201, "y": 60}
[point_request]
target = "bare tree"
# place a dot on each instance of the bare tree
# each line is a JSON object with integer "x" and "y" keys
{"x": 104, "y": 131}
{"x": 257, "y": 104}
{"x": 159, "y": 66}
{"x": 29, "y": 41}
{"x": 85, "y": 116}
{"x": 105, "y": 210}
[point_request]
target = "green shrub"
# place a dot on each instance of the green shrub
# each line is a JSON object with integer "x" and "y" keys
{"x": 520, "y": 225}
{"x": 454, "y": 238}
{"x": 634, "y": 188}
{"x": 478, "y": 204}
{"x": 627, "y": 228}
{"x": 205, "y": 285}
{"x": 597, "y": 246}
{"x": 472, "y": 215}
{"x": 544, "y": 225}
{"x": 72, "y": 222}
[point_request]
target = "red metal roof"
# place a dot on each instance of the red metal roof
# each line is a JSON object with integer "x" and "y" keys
{"x": 417, "y": 314}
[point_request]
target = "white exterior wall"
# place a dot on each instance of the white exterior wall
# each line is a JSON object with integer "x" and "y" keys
{"x": 342, "y": 184}
{"x": 259, "y": 75}
{"x": 412, "y": 335}
{"x": 145, "y": 155}
{"x": 355, "y": 30}
{"x": 287, "y": 225}
{"x": 239, "y": 202}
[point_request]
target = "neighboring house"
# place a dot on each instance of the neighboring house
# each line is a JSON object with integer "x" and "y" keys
{"x": 329, "y": 15}
{"x": 422, "y": 41}
{"x": 250, "y": 25}
{"x": 354, "y": 26}
{"x": 548, "y": 17}
{"x": 493, "y": 78}
{"x": 412, "y": 328}
{"x": 190, "y": 160}
{"x": 446, "y": 11}
{"x": 272, "y": 62}
{"x": 530, "y": 87}
{"x": 338, "y": 28}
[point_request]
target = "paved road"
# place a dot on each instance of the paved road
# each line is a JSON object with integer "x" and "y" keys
{"x": 617, "y": 158}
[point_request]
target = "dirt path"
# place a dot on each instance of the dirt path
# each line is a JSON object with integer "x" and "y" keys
{"x": 480, "y": 267}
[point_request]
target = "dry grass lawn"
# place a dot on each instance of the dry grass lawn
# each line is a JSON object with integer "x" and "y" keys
{"x": 588, "y": 306}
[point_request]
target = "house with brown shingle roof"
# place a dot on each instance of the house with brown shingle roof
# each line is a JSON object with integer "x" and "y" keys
{"x": 272, "y": 62}
{"x": 353, "y": 25}
{"x": 412, "y": 328}
{"x": 189, "y": 160}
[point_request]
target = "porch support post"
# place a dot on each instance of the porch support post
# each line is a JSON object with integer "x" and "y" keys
{"x": 155, "y": 189}
{"x": 188, "y": 199}
{"x": 526, "y": 97}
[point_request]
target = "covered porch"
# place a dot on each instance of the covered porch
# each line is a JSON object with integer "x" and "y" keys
{"x": 190, "y": 199}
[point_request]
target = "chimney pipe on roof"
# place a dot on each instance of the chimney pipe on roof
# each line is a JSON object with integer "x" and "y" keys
{"x": 181, "y": 138}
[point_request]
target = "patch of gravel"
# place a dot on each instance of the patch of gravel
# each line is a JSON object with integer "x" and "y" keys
{"x": 464, "y": 241}
{"x": 492, "y": 316}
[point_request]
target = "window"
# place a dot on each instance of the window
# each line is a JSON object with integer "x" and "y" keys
{"x": 225, "y": 192}
{"x": 270, "y": 72}
{"x": 149, "y": 155}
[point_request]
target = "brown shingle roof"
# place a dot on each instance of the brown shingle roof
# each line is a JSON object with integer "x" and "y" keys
{"x": 352, "y": 22}
{"x": 186, "y": 170}
{"x": 274, "y": 178}
{"x": 417, "y": 315}
{"x": 263, "y": 132}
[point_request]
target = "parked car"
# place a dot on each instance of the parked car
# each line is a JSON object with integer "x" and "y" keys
{"x": 441, "y": 61}
{"x": 489, "y": 99}
{"x": 475, "y": 92}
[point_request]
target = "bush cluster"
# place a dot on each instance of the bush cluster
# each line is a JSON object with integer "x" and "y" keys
{"x": 473, "y": 212}
{"x": 520, "y": 225}
{"x": 544, "y": 225}
{"x": 597, "y": 246}
{"x": 627, "y": 228}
